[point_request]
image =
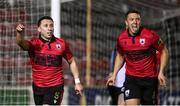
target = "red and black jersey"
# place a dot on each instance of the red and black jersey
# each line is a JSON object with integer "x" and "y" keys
{"x": 46, "y": 60}
{"x": 140, "y": 52}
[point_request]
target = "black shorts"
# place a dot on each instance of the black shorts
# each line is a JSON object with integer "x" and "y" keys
{"x": 114, "y": 93}
{"x": 142, "y": 88}
{"x": 48, "y": 95}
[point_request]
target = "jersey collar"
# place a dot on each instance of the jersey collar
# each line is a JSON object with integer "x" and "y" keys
{"x": 137, "y": 34}
{"x": 51, "y": 40}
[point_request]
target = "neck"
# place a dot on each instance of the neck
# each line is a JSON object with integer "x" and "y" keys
{"x": 134, "y": 34}
{"x": 131, "y": 34}
{"x": 46, "y": 39}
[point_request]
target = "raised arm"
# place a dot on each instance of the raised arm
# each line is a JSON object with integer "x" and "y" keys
{"x": 20, "y": 37}
{"x": 75, "y": 72}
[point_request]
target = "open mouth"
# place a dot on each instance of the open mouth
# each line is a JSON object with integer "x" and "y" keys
{"x": 49, "y": 33}
{"x": 135, "y": 28}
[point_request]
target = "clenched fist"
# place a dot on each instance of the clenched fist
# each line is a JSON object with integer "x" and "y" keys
{"x": 20, "y": 28}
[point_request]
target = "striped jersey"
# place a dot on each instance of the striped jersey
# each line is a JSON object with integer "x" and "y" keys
{"x": 140, "y": 52}
{"x": 46, "y": 59}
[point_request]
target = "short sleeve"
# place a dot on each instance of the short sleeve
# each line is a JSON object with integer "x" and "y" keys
{"x": 67, "y": 52}
{"x": 32, "y": 43}
{"x": 118, "y": 46}
{"x": 157, "y": 42}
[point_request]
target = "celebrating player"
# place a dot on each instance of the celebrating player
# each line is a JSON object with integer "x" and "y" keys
{"x": 137, "y": 46}
{"x": 46, "y": 53}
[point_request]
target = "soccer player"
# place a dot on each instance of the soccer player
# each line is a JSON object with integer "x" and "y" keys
{"x": 46, "y": 53}
{"x": 137, "y": 45}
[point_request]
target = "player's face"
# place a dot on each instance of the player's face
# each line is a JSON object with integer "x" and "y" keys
{"x": 133, "y": 23}
{"x": 46, "y": 29}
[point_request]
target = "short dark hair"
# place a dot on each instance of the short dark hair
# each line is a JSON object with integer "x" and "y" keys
{"x": 42, "y": 18}
{"x": 132, "y": 11}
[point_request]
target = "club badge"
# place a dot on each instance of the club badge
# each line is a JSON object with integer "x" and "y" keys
{"x": 127, "y": 92}
{"x": 58, "y": 46}
{"x": 142, "y": 41}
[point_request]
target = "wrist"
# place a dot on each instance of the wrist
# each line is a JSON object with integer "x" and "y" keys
{"x": 161, "y": 72}
{"x": 76, "y": 80}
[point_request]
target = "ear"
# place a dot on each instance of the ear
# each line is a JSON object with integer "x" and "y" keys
{"x": 39, "y": 29}
{"x": 126, "y": 22}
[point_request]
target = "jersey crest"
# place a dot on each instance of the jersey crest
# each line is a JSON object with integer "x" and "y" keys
{"x": 58, "y": 46}
{"x": 142, "y": 41}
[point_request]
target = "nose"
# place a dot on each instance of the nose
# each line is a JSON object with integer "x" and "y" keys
{"x": 135, "y": 21}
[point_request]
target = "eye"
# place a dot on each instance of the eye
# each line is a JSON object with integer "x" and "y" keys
{"x": 131, "y": 19}
{"x": 138, "y": 19}
{"x": 45, "y": 25}
{"x": 51, "y": 25}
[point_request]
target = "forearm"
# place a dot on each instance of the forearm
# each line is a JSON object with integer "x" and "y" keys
{"x": 164, "y": 60}
{"x": 75, "y": 72}
{"x": 74, "y": 69}
{"x": 118, "y": 63}
{"x": 19, "y": 38}
{"x": 21, "y": 42}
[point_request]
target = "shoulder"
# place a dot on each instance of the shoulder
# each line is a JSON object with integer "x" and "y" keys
{"x": 61, "y": 41}
{"x": 148, "y": 31}
{"x": 34, "y": 39}
{"x": 123, "y": 34}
